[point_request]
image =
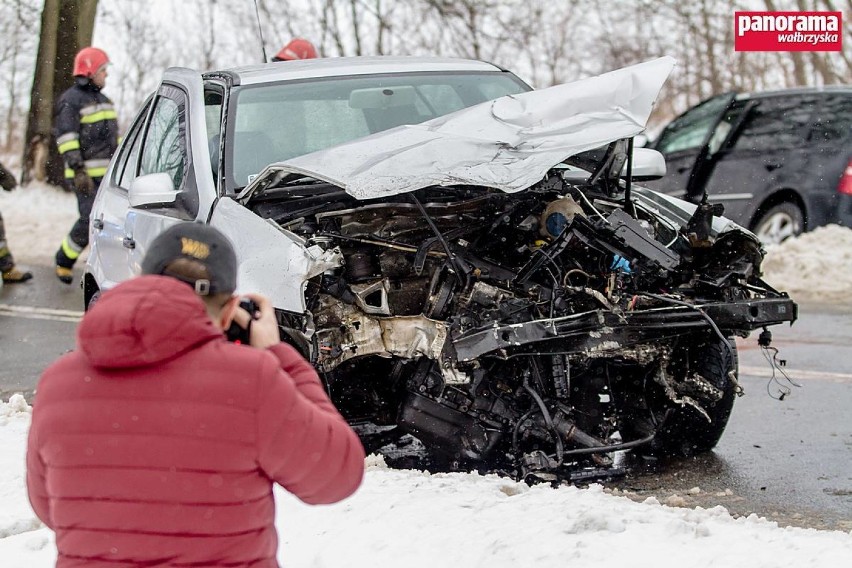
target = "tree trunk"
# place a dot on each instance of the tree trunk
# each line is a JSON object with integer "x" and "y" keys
{"x": 66, "y": 27}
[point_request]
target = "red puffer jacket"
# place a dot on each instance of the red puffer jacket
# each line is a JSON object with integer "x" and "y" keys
{"x": 156, "y": 442}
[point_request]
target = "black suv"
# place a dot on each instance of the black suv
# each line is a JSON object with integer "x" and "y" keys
{"x": 780, "y": 162}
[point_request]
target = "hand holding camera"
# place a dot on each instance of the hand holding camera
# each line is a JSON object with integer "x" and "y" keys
{"x": 255, "y": 323}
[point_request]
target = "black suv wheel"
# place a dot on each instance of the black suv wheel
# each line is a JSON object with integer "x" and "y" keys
{"x": 779, "y": 223}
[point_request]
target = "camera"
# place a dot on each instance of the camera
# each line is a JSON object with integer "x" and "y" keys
{"x": 237, "y": 334}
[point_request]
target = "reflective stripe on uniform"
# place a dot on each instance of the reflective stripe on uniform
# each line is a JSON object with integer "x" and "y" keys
{"x": 99, "y": 116}
{"x": 97, "y": 163}
{"x": 67, "y": 136}
{"x": 70, "y": 145}
{"x": 96, "y": 113}
{"x": 97, "y": 168}
{"x": 68, "y": 141}
{"x": 71, "y": 249}
{"x": 94, "y": 168}
{"x": 95, "y": 107}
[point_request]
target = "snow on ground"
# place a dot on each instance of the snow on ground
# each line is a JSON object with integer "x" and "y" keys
{"x": 37, "y": 218}
{"x": 414, "y": 519}
{"x": 816, "y": 266}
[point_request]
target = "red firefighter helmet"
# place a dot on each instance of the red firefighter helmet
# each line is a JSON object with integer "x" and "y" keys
{"x": 88, "y": 60}
{"x": 297, "y": 49}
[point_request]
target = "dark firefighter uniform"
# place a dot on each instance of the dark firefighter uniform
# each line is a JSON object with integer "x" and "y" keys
{"x": 87, "y": 135}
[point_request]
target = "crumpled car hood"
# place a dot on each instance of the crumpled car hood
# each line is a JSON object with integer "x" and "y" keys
{"x": 507, "y": 144}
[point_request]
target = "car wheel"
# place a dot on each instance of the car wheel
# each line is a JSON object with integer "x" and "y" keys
{"x": 685, "y": 432}
{"x": 681, "y": 430}
{"x": 95, "y": 297}
{"x": 779, "y": 223}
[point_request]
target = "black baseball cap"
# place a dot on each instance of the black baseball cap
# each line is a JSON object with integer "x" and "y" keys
{"x": 202, "y": 244}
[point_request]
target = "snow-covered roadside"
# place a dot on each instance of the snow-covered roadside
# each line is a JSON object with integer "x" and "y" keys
{"x": 414, "y": 519}
{"x": 37, "y": 218}
{"x": 814, "y": 267}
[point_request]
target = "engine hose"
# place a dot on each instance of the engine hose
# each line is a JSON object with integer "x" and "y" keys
{"x": 560, "y": 450}
{"x": 611, "y": 448}
{"x": 460, "y": 276}
{"x": 517, "y": 427}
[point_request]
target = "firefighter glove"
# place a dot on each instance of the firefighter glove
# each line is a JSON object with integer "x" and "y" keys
{"x": 83, "y": 183}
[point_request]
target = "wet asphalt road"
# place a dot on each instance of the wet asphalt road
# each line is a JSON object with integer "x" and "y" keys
{"x": 38, "y": 320}
{"x": 789, "y": 460}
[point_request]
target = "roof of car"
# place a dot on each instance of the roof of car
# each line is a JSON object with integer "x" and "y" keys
{"x": 344, "y": 66}
{"x": 797, "y": 91}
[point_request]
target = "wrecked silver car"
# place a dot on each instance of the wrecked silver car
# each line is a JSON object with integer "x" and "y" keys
{"x": 506, "y": 297}
{"x": 491, "y": 283}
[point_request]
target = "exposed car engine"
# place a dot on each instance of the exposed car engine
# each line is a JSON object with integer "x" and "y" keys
{"x": 531, "y": 333}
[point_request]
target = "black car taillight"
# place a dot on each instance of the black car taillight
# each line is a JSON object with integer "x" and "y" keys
{"x": 845, "y": 185}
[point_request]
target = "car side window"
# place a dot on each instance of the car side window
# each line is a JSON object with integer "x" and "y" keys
{"x": 833, "y": 121}
{"x": 723, "y": 129}
{"x": 128, "y": 160}
{"x": 213, "y": 99}
{"x": 690, "y": 129}
{"x": 777, "y": 123}
{"x": 164, "y": 148}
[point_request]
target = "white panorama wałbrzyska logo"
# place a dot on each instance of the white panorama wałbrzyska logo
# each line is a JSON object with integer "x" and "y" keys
{"x": 788, "y": 31}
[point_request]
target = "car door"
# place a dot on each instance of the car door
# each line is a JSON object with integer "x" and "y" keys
{"x": 162, "y": 142}
{"x": 107, "y": 262}
{"x": 686, "y": 144}
{"x": 767, "y": 153}
{"x": 164, "y": 150}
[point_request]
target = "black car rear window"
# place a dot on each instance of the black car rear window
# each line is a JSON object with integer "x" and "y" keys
{"x": 833, "y": 120}
{"x": 778, "y": 123}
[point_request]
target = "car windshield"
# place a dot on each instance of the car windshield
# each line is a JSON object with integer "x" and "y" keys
{"x": 277, "y": 121}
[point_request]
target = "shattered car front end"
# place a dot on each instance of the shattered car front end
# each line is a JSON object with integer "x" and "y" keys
{"x": 528, "y": 327}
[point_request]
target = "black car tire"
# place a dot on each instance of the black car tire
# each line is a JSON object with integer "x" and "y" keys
{"x": 684, "y": 431}
{"x": 95, "y": 297}
{"x": 779, "y": 223}
{"x": 680, "y": 430}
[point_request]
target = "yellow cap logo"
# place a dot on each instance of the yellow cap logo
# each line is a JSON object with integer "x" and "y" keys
{"x": 193, "y": 248}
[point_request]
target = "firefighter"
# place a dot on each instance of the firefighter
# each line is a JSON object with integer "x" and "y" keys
{"x": 298, "y": 48}
{"x": 87, "y": 135}
{"x": 10, "y": 274}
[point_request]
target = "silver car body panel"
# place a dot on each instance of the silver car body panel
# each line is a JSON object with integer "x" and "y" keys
{"x": 190, "y": 81}
{"x": 111, "y": 260}
{"x": 680, "y": 211}
{"x": 507, "y": 144}
{"x": 271, "y": 260}
{"x": 348, "y": 66}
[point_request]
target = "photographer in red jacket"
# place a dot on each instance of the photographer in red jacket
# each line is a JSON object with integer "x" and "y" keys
{"x": 157, "y": 442}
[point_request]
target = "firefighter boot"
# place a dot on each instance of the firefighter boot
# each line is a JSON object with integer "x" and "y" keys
{"x": 13, "y": 276}
{"x": 66, "y": 256}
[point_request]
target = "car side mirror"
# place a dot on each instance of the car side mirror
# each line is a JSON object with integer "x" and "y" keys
{"x": 647, "y": 165}
{"x": 152, "y": 189}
